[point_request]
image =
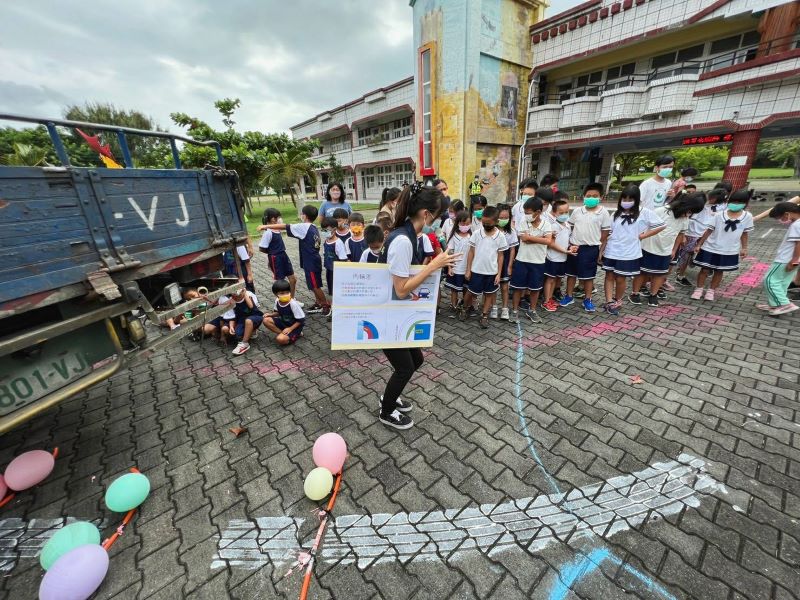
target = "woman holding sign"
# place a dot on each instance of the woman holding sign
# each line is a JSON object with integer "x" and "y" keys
{"x": 417, "y": 209}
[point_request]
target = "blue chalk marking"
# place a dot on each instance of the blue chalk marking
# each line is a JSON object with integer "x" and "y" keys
{"x": 589, "y": 563}
{"x": 576, "y": 571}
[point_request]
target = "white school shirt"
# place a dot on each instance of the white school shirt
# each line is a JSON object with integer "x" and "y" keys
{"x": 266, "y": 239}
{"x": 588, "y": 226}
{"x": 654, "y": 194}
{"x": 699, "y": 222}
{"x": 786, "y": 249}
{"x": 727, "y": 242}
{"x": 623, "y": 241}
{"x": 662, "y": 243}
{"x": 512, "y": 239}
{"x": 518, "y": 213}
{"x": 228, "y": 315}
{"x": 460, "y": 244}
{"x": 447, "y": 227}
{"x": 340, "y": 249}
{"x": 476, "y": 224}
{"x": 399, "y": 256}
{"x": 486, "y": 248}
{"x": 563, "y": 232}
{"x": 297, "y": 310}
{"x": 242, "y": 252}
{"x": 366, "y": 253}
{"x": 533, "y": 253}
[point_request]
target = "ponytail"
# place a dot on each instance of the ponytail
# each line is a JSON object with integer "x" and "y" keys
{"x": 387, "y": 195}
{"x": 414, "y": 198}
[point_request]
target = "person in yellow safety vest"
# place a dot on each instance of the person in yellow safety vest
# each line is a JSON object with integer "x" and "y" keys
{"x": 475, "y": 187}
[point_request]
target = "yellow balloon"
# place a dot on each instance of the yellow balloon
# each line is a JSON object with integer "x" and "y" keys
{"x": 318, "y": 483}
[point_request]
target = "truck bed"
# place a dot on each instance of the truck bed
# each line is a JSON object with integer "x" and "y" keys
{"x": 59, "y": 225}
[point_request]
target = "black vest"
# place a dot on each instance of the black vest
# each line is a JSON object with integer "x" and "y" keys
{"x": 407, "y": 229}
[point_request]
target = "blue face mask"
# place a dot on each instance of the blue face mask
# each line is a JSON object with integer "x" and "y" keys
{"x": 427, "y": 229}
{"x": 735, "y": 207}
{"x": 591, "y": 202}
{"x": 665, "y": 172}
{"x": 478, "y": 213}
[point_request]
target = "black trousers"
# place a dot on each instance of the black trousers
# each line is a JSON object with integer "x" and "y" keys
{"x": 404, "y": 361}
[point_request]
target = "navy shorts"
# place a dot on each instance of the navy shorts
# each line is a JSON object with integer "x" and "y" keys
{"x": 218, "y": 322}
{"x": 527, "y": 276}
{"x": 504, "y": 276}
{"x": 717, "y": 262}
{"x": 329, "y": 280}
{"x": 280, "y": 265}
{"x": 256, "y": 319}
{"x": 313, "y": 279}
{"x": 624, "y": 268}
{"x": 655, "y": 264}
{"x": 454, "y": 282}
{"x": 281, "y": 324}
{"x": 584, "y": 265}
{"x": 482, "y": 284}
{"x": 555, "y": 269}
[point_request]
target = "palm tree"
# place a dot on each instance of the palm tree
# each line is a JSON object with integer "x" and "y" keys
{"x": 25, "y": 155}
{"x": 287, "y": 170}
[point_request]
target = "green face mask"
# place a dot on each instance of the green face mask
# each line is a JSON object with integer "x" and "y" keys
{"x": 502, "y": 222}
{"x": 478, "y": 213}
{"x": 735, "y": 207}
{"x": 591, "y": 202}
{"x": 665, "y": 172}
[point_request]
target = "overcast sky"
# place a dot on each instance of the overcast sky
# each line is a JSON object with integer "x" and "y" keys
{"x": 286, "y": 60}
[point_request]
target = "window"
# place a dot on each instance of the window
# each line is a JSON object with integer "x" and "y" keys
{"x": 684, "y": 61}
{"x": 401, "y": 128}
{"x": 733, "y": 50}
{"x": 692, "y": 53}
{"x": 620, "y": 76}
{"x": 336, "y": 144}
{"x": 367, "y": 179}
{"x": 427, "y": 101}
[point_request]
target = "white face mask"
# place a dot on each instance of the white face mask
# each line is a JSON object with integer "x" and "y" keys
{"x": 529, "y": 218}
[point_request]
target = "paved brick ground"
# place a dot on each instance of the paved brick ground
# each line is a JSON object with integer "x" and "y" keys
{"x": 720, "y": 384}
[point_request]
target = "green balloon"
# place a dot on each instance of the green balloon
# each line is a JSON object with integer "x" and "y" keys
{"x": 68, "y": 538}
{"x": 127, "y": 492}
{"x": 318, "y": 483}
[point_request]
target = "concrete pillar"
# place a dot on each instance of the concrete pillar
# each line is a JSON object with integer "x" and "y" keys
{"x": 741, "y": 156}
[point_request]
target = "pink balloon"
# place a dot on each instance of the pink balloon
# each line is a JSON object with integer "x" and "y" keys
{"x": 28, "y": 469}
{"x": 330, "y": 450}
{"x": 3, "y": 488}
{"x": 75, "y": 575}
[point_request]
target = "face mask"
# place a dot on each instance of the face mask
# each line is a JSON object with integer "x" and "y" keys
{"x": 562, "y": 218}
{"x": 325, "y": 235}
{"x": 427, "y": 229}
{"x": 665, "y": 172}
{"x": 502, "y": 222}
{"x": 284, "y": 298}
{"x": 785, "y": 220}
{"x": 524, "y": 198}
{"x": 341, "y": 226}
{"x": 464, "y": 228}
{"x": 688, "y": 179}
{"x": 477, "y": 213}
{"x": 627, "y": 204}
{"x": 735, "y": 207}
{"x": 529, "y": 218}
{"x": 488, "y": 227}
{"x": 357, "y": 229}
{"x": 591, "y": 202}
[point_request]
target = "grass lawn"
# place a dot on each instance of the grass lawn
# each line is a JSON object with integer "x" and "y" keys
{"x": 757, "y": 173}
{"x": 289, "y": 212}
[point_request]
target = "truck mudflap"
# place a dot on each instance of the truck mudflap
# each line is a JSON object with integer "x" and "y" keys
{"x": 34, "y": 380}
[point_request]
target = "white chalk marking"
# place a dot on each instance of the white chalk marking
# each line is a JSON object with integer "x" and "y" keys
{"x": 766, "y": 233}
{"x": 604, "y": 508}
{"x": 20, "y": 539}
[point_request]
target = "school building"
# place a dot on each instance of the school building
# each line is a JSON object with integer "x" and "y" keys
{"x": 612, "y": 77}
{"x": 371, "y": 137}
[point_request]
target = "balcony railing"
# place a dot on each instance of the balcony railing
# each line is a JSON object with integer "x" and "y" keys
{"x": 689, "y": 67}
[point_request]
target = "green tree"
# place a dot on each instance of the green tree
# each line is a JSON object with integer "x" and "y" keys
{"x": 784, "y": 152}
{"x": 702, "y": 158}
{"x": 630, "y": 163}
{"x": 288, "y": 170}
{"x": 25, "y": 155}
{"x": 336, "y": 172}
{"x": 37, "y": 137}
{"x": 146, "y": 152}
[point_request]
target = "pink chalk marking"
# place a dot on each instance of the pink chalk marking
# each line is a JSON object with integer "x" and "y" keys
{"x": 749, "y": 279}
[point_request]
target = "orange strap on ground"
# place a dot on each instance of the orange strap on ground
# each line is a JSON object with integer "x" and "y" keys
{"x": 110, "y": 541}
{"x": 328, "y": 509}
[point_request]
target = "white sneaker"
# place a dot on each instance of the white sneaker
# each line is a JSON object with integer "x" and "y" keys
{"x": 493, "y": 313}
{"x": 765, "y": 307}
{"x": 504, "y": 313}
{"x": 241, "y": 348}
{"x": 783, "y": 310}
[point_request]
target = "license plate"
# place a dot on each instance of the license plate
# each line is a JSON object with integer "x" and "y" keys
{"x": 28, "y": 376}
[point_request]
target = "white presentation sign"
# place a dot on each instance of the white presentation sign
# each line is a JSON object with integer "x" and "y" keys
{"x": 368, "y": 314}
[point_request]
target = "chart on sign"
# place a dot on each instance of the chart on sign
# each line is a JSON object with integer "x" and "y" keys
{"x": 368, "y": 314}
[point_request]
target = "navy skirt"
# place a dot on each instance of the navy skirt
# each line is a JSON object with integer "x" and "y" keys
{"x": 624, "y": 268}
{"x": 655, "y": 264}
{"x": 717, "y": 262}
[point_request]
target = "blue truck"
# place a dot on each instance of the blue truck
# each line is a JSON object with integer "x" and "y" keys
{"x": 95, "y": 260}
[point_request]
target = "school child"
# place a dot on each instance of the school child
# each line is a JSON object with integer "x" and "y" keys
{"x": 218, "y": 327}
{"x": 723, "y": 243}
{"x": 527, "y": 189}
{"x": 555, "y": 263}
{"x": 447, "y": 227}
{"x": 657, "y": 190}
{"x": 341, "y": 230}
{"x": 622, "y": 250}
{"x": 240, "y": 256}
{"x": 659, "y": 251}
{"x": 355, "y": 244}
{"x": 272, "y": 245}
{"x": 476, "y": 208}
{"x": 591, "y": 224}
{"x": 247, "y": 318}
{"x": 697, "y": 227}
{"x": 787, "y": 258}
{"x": 458, "y": 243}
{"x": 484, "y": 264}
{"x": 333, "y": 249}
{"x": 373, "y": 236}
{"x": 385, "y": 223}
{"x": 309, "y": 240}
{"x": 680, "y": 184}
{"x": 527, "y": 272}
{"x": 504, "y": 223}
{"x": 287, "y": 318}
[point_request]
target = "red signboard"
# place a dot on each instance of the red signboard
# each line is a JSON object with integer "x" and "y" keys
{"x": 717, "y": 138}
